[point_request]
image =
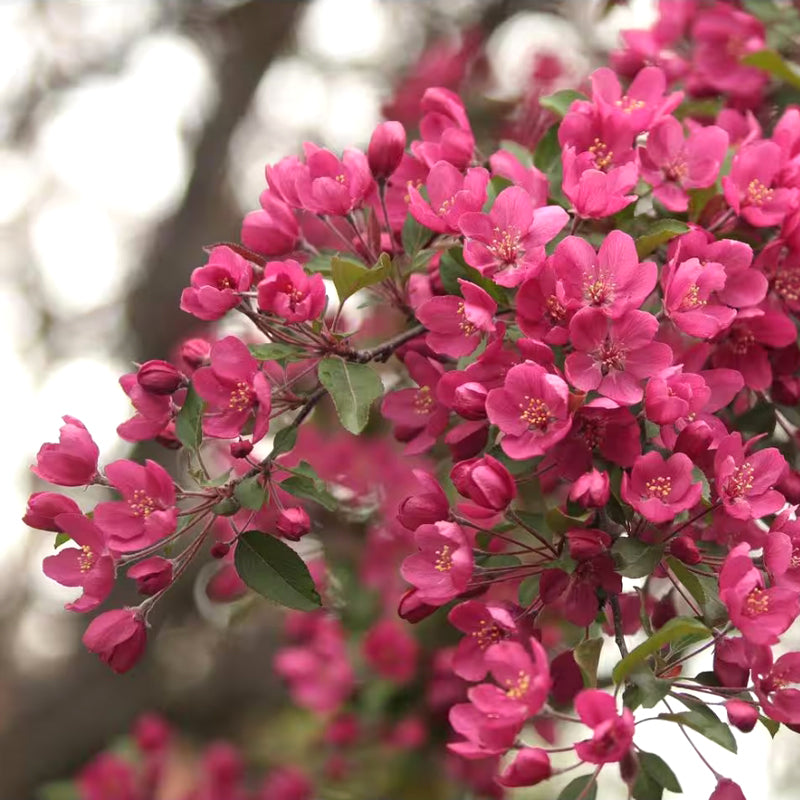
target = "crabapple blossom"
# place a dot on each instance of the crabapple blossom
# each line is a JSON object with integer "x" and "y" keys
{"x": 71, "y": 462}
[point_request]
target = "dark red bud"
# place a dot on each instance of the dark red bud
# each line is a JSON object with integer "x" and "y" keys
{"x": 412, "y": 609}
{"x": 152, "y": 575}
{"x": 469, "y": 401}
{"x": 220, "y": 550}
{"x": 241, "y": 448}
{"x": 159, "y": 377}
{"x": 386, "y": 149}
{"x": 685, "y": 549}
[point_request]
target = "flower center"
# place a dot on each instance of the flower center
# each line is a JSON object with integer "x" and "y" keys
{"x": 628, "y": 104}
{"x": 141, "y": 503}
{"x": 423, "y": 402}
{"x": 467, "y": 327}
{"x": 676, "y": 169}
{"x": 224, "y": 283}
{"x": 444, "y": 559}
{"x": 505, "y": 244}
{"x": 519, "y": 688}
{"x": 598, "y": 290}
{"x": 535, "y": 412}
{"x": 446, "y": 206}
{"x": 658, "y": 488}
{"x": 241, "y": 397}
{"x": 611, "y": 356}
{"x": 86, "y": 558}
{"x": 554, "y": 309}
{"x": 603, "y": 157}
{"x": 593, "y": 432}
{"x": 692, "y": 299}
{"x": 741, "y": 481}
{"x": 487, "y": 634}
{"x": 758, "y": 193}
{"x": 756, "y": 603}
{"x": 787, "y": 283}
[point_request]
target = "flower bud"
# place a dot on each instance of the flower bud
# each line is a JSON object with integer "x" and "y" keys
{"x": 469, "y": 400}
{"x": 467, "y": 440}
{"x": 412, "y": 609}
{"x": 386, "y": 147}
{"x": 485, "y": 481}
{"x": 293, "y": 523}
{"x": 220, "y": 550}
{"x": 71, "y": 462}
{"x": 426, "y": 507}
{"x": 695, "y": 440}
{"x": 118, "y": 637}
{"x": 152, "y": 575}
{"x": 530, "y": 766}
{"x": 151, "y": 733}
{"x": 730, "y": 662}
{"x": 742, "y": 715}
{"x": 587, "y": 543}
{"x": 226, "y": 585}
{"x": 664, "y": 610}
{"x": 195, "y": 352}
{"x": 685, "y": 549}
{"x": 727, "y": 790}
{"x": 591, "y": 490}
{"x": 241, "y": 448}
{"x": 44, "y": 507}
{"x": 159, "y": 377}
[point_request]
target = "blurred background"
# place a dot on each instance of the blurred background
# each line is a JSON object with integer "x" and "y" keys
{"x": 133, "y": 133}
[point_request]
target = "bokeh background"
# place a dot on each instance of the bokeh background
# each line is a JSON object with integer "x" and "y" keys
{"x": 132, "y": 133}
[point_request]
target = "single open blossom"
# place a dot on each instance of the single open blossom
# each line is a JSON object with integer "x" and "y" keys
{"x": 744, "y": 480}
{"x": 594, "y": 193}
{"x": 612, "y": 736}
{"x": 119, "y": 637}
{"x": 660, "y": 489}
{"x": 507, "y": 244}
{"x": 442, "y": 568}
{"x": 154, "y": 412}
{"x": 90, "y": 565}
{"x": 542, "y": 311}
{"x": 489, "y": 723}
{"x": 452, "y": 194}
{"x": 673, "y": 165}
{"x": 215, "y": 287}
{"x": 761, "y": 614}
{"x": 485, "y": 481}
{"x": 530, "y": 766}
{"x": 71, "y": 462}
{"x": 272, "y": 231}
{"x": 235, "y": 390}
{"x": 288, "y": 292}
{"x": 611, "y": 279}
{"x": 776, "y": 688}
{"x": 147, "y": 512}
{"x": 615, "y": 356}
{"x": 446, "y": 134}
{"x": 531, "y": 409}
{"x": 591, "y": 490}
{"x": 482, "y": 625}
{"x": 456, "y": 325}
{"x": 683, "y": 396}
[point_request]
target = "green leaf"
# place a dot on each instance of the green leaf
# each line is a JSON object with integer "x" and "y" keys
{"x": 189, "y": 422}
{"x": 61, "y": 538}
{"x": 276, "y": 351}
{"x": 414, "y": 236}
{"x": 560, "y": 102}
{"x": 559, "y": 522}
{"x": 227, "y": 507}
{"x": 285, "y": 439}
{"x": 634, "y": 558}
{"x": 308, "y": 489}
{"x": 547, "y": 156}
{"x": 353, "y": 388}
{"x": 706, "y": 724}
{"x": 698, "y": 199}
{"x": 587, "y": 657}
{"x": 350, "y": 276}
{"x": 251, "y": 493}
{"x": 452, "y": 267}
{"x": 659, "y": 771}
{"x": 496, "y": 185}
{"x": 645, "y": 788}
{"x": 672, "y": 630}
{"x": 660, "y": 233}
{"x": 577, "y": 789}
{"x": 528, "y": 590}
{"x": 773, "y": 62}
{"x": 271, "y": 568}
{"x": 770, "y": 724}
{"x": 522, "y": 154}
{"x": 760, "y": 418}
{"x": 651, "y": 690}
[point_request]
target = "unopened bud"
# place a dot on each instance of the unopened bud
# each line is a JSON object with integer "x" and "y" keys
{"x": 195, "y": 352}
{"x": 293, "y": 523}
{"x": 159, "y": 377}
{"x": 220, "y": 550}
{"x": 741, "y": 715}
{"x": 469, "y": 400}
{"x": 386, "y": 149}
{"x": 241, "y": 448}
{"x": 152, "y": 575}
{"x": 685, "y": 549}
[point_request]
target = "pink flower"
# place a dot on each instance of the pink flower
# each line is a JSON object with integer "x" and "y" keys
{"x": 520, "y": 677}
{"x": 425, "y": 506}
{"x": 386, "y": 147}
{"x": 451, "y": 194}
{"x": 614, "y": 356}
{"x": 287, "y": 783}
{"x": 90, "y": 565}
{"x": 684, "y": 396}
{"x": 44, "y": 507}
{"x": 673, "y": 165}
{"x": 593, "y": 193}
{"x": 751, "y": 188}
{"x": 611, "y": 279}
{"x": 484, "y": 625}
{"x": 391, "y": 651}
{"x": 286, "y": 291}
{"x": 744, "y": 481}
{"x": 659, "y": 490}
{"x": 485, "y": 481}
{"x": 531, "y": 409}
{"x": 727, "y": 790}
{"x": 119, "y": 637}
{"x": 107, "y": 772}
{"x": 234, "y": 390}
{"x": 532, "y": 180}
{"x": 215, "y": 287}
{"x": 457, "y": 324}
{"x": 613, "y": 733}
{"x": 591, "y": 490}
{"x": 507, "y": 244}
{"x": 274, "y": 230}
{"x": 445, "y": 130}
{"x": 293, "y": 523}
{"x": 489, "y": 723}
{"x": 71, "y": 462}
{"x": 153, "y": 411}
{"x": 442, "y": 568}
{"x": 147, "y": 512}
{"x": 741, "y": 715}
{"x": 152, "y": 575}
{"x": 761, "y": 614}
{"x": 159, "y": 377}
{"x": 542, "y": 311}
{"x": 530, "y": 766}
{"x": 775, "y": 688}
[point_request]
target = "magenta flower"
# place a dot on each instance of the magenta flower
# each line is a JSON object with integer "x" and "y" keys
{"x": 152, "y": 575}
{"x": 607, "y": 138}
{"x": 147, "y": 512}
{"x": 613, "y": 733}
{"x": 391, "y": 651}
{"x": 531, "y": 409}
{"x": 744, "y": 480}
{"x": 659, "y": 490}
{"x": 672, "y": 165}
{"x": 119, "y": 637}
{"x": 456, "y": 324}
{"x": 489, "y": 723}
{"x": 591, "y": 490}
{"x": 153, "y": 411}
{"x": 542, "y": 311}
{"x": 215, "y": 287}
{"x": 593, "y": 193}
{"x": 445, "y": 130}
{"x": 611, "y": 279}
{"x": 442, "y": 568}
{"x": 751, "y": 188}
{"x": 775, "y": 689}
{"x": 234, "y": 390}
{"x": 532, "y": 180}
{"x": 44, "y": 507}
{"x": 507, "y": 244}
{"x": 272, "y": 231}
{"x": 425, "y": 506}
{"x": 293, "y": 523}
{"x": 615, "y": 356}
{"x": 483, "y": 626}
{"x": 761, "y": 614}
{"x": 530, "y": 766}
{"x": 684, "y": 396}
{"x": 485, "y": 481}
{"x": 288, "y": 292}
{"x": 90, "y": 565}
{"x": 727, "y": 790}
{"x": 386, "y": 147}
{"x": 451, "y": 194}
{"x": 71, "y": 462}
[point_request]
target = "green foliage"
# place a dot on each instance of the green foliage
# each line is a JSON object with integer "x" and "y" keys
{"x": 251, "y": 493}
{"x": 350, "y": 276}
{"x": 559, "y": 102}
{"x": 635, "y": 558}
{"x": 577, "y": 788}
{"x": 189, "y": 422}
{"x": 660, "y": 233}
{"x": 587, "y": 657}
{"x": 353, "y": 388}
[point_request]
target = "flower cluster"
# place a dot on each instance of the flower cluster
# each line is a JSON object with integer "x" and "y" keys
{"x": 595, "y": 381}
